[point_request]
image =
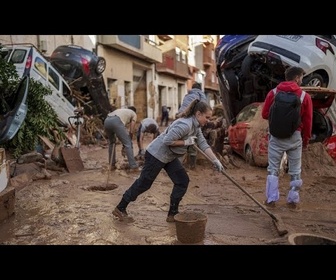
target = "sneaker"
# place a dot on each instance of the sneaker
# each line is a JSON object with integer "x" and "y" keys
{"x": 119, "y": 214}
{"x": 135, "y": 169}
{"x": 270, "y": 204}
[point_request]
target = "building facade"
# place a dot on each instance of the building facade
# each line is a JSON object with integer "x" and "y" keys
{"x": 145, "y": 71}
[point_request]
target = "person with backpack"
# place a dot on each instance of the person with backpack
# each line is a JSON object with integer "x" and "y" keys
{"x": 289, "y": 111}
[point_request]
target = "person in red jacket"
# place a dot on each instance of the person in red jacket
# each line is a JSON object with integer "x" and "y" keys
{"x": 292, "y": 146}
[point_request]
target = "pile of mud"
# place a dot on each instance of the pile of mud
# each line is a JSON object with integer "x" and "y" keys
{"x": 317, "y": 162}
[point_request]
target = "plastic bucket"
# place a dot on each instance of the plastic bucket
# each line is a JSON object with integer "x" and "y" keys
{"x": 190, "y": 227}
{"x": 309, "y": 239}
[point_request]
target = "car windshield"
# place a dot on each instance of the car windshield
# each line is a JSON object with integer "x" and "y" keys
{"x": 69, "y": 71}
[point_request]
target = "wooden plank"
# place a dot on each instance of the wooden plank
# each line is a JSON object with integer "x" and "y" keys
{"x": 47, "y": 142}
{"x": 73, "y": 161}
{"x": 7, "y": 203}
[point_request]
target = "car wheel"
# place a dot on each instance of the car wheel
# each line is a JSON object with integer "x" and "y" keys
{"x": 101, "y": 65}
{"x": 249, "y": 156}
{"x": 313, "y": 80}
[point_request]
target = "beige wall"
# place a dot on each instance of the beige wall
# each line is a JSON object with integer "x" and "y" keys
{"x": 51, "y": 41}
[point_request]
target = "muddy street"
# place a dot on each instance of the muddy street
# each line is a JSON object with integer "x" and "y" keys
{"x": 76, "y": 208}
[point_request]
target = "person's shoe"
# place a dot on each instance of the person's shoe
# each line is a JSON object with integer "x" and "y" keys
{"x": 269, "y": 204}
{"x": 113, "y": 167}
{"x": 170, "y": 219}
{"x": 293, "y": 206}
{"x": 134, "y": 170}
{"x": 119, "y": 214}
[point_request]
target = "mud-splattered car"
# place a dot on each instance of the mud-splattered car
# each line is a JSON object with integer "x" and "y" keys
{"x": 248, "y": 133}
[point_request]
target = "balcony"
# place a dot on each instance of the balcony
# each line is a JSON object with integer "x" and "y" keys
{"x": 172, "y": 67}
{"x": 136, "y": 45}
{"x": 208, "y": 54}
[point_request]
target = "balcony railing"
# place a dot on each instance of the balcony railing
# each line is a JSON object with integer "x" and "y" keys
{"x": 171, "y": 66}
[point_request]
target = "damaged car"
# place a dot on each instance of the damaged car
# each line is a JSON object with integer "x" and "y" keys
{"x": 83, "y": 70}
{"x": 248, "y": 133}
{"x": 259, "y": 63}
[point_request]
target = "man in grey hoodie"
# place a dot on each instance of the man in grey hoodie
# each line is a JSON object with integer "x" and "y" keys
{"x": 195, "y": 93}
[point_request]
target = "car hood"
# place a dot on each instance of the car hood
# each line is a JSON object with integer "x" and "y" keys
{"x": 322, "y": 97}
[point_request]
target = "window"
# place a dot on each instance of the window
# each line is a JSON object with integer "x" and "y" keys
{"x": 53, "y": 78}
{"x": 178, "y": 54}
{"x": 41, "y": 66}
{"x": 132, "y": 40}
{"x": 18, "y": 56}
{"x": 184, "y": 57}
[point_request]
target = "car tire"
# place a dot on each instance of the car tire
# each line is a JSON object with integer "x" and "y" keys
{"x": 101, "y": 65}
{"x": 313, "y": 80}
{"x": 249, "y": 156}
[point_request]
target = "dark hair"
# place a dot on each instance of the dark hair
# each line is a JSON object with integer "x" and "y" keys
{"x": 292, "y": 72}
{"x": 152, "y": 128}
{"x": 193, "y": 107}
{"x": 197, "y": 85}
{"x": 132, "y": 108}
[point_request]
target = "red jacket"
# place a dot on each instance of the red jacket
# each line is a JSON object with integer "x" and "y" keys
{"x": 306, "y": 108}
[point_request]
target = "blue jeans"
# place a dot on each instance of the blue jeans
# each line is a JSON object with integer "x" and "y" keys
{"x": 114, "y": 127}
{"x": 151, "y": 170}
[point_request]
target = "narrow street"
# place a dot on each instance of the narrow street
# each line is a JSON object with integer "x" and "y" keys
{"x": 76, "y": 208}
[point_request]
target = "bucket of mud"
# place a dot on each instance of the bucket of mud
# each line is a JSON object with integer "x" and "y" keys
{"x": 309, "y": 239}
{"x": 190, "y": 227}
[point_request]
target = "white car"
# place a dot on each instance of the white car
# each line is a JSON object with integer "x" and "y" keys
{"x": 316, "y": 54}
{"x": 29, "y": 61}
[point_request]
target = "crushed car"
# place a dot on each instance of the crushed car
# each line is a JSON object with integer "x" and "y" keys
{"x": 83, "y": 70}
{"x": 29, "y": 61}
{"x": 248, "y": 133}
{"x": 259, "y": 63}
{"x": 249, "y": 66}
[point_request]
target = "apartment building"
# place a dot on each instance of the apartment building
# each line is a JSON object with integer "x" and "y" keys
{"x": 146, "y": 71}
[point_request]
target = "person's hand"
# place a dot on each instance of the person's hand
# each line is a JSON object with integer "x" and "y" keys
{"x": 218, "y": 165}
{"x": 142, "y": 152}
{"x": 190, "y": 141}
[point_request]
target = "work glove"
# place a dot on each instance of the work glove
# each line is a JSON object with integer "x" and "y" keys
{"x": 190, "y": 141}
{"x": 219, "y": 167}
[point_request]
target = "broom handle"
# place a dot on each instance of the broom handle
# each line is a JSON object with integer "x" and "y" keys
{"x": 239, "y": 186}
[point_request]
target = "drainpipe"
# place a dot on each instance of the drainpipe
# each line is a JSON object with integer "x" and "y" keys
{"x": 38, "y": 39}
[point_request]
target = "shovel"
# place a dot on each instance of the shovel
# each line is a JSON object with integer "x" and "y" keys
{"x": 277, "y": 221}
{"x": 110, "y": 164}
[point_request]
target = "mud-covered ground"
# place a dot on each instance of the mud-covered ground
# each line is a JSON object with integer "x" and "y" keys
{"x": 76, "y": 208}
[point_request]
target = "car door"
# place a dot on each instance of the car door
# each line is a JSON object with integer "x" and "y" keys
{"x": 13, "y": 119}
